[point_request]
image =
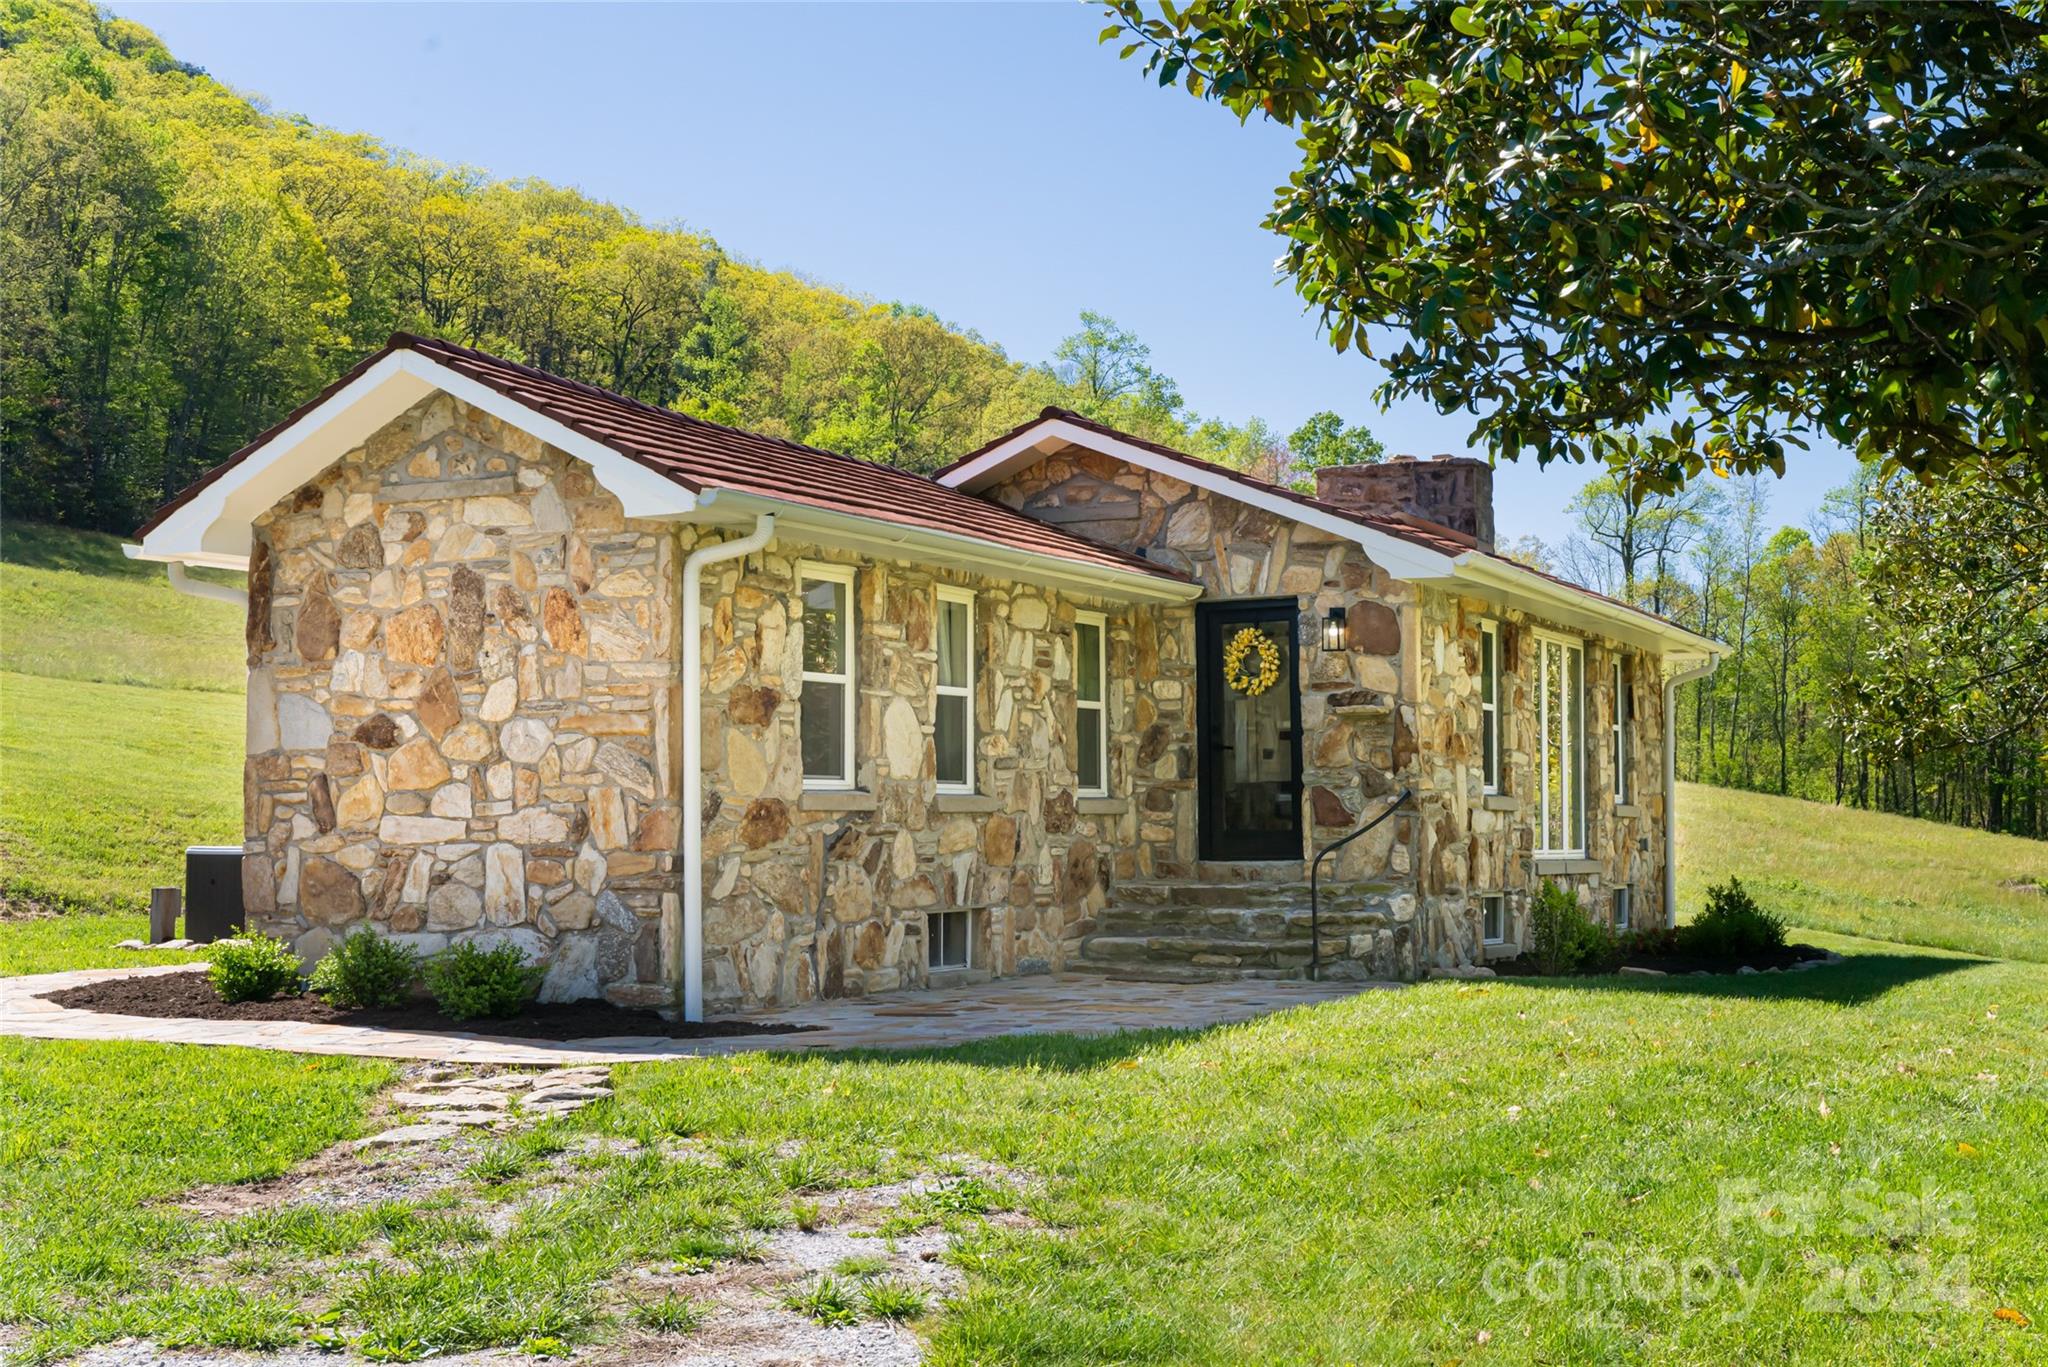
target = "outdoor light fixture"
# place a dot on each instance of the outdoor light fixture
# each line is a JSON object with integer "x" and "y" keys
{"x": 1333, "y": 630}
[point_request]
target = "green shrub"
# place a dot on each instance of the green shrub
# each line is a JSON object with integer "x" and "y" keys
{"x": 252, "y": 967}
{"x": 1564, "y": 940}
{"x": 468, "y": 981}
{"x": 1732, "y": 927}
{"x": 1651, "y": 942}
{"x": 367, "y": 969}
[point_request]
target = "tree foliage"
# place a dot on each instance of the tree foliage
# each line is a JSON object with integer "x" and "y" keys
{"x": 1670, "y": 235}
{"x": 179, "y": 269}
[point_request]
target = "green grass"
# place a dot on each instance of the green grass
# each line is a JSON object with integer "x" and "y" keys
{"x": 102, "y": 786}
{"x": 1864, "y": 873}
{"x": 120, "y": 722}
{"x": 53, "y": 944}
{"x": 73, "y": 607}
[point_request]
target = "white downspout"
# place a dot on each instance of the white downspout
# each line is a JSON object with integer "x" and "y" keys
{"x": 693, "y": 747}
{"x": 220, "y": 593}
{"x": 1671, "y": 782}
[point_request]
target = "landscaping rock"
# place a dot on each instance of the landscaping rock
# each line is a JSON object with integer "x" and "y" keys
{"x": 408, "y": 1134}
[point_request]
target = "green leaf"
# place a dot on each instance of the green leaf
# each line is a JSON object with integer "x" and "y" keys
{"x": 1463, "y": 20}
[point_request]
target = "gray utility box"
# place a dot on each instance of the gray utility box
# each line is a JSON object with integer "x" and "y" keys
{"x": 213, "y": 892}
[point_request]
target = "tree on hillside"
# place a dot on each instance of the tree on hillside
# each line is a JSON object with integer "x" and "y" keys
{"x": 1107, "y": 364}
{"x": 1669, "y": 236}
{"x": 1326, "y": 440}
{"x": 1644, "y": 535}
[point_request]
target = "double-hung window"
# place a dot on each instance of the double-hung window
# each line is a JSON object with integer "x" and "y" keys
{"x": 1623, "y": 712}
{"x": 825, "y": 705}
{"x": 1561, "y": 734}
{"x": 953, "y": 709}
{"x": 1489, "y": 703}
{"x": 1091, "y": 729}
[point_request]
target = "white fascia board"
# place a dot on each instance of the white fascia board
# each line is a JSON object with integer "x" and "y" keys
{"x": 213, "y": 529}
{"x": 891, "y": 540}
{"x": 1400, "y": 558}
{"x": 1505, "y": 582}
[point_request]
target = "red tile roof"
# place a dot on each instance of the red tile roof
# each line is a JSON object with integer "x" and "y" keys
{"x": 1429, "y": 535}
{"x": 701, "y": 455}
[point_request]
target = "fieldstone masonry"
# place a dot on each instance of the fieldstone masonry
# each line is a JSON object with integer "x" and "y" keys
{"x": 462, "y": 693}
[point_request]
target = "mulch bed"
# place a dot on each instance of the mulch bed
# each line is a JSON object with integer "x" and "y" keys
{"x": 190, "y": 996}
{"x": 1678, "y": 964}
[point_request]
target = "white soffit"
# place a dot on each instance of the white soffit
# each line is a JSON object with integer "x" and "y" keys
{"x": 213, "y": 528}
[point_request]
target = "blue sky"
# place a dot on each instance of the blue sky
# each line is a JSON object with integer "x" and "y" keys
{"x": 990, "y": 162}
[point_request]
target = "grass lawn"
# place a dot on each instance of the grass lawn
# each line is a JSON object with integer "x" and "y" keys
{"x": 1863, "y": 873}
{"x": 120, "y": 722}
{"x": 1850, "y": 1164}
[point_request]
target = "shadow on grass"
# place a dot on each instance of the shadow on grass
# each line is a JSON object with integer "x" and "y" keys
{"x": 1859, "y": 978}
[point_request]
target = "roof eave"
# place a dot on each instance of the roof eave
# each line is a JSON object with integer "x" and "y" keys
{"x": 1505, "y": 581}
{"x": 872, "y": 536}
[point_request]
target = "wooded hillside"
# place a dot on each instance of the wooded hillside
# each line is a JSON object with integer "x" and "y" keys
{"x": 179, "y": 268}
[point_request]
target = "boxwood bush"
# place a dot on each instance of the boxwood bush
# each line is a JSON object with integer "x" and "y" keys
{"x": 367, "y": 969}
{"x": 469, "y": 981}
{"x": 1732, "y": 928}
{"x": 252, "y": 967}
{"x": 1564, "y": 940}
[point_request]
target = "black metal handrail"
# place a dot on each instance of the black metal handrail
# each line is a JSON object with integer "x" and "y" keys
{"x": 1315, "y": 929}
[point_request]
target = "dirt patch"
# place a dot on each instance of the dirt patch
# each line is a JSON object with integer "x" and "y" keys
{"x": 188, "y": 996}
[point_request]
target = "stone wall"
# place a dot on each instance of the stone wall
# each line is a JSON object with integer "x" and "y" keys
{"x": 821, "y": 893}
{"x": 1356, "y": 735}
{"x": 1479, "y": 844}
{"x": 462, "y": 695}
{"x": 1399, "y": 705}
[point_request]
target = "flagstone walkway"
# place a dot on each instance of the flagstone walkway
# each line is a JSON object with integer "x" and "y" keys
{"x": 936, "y": 1019}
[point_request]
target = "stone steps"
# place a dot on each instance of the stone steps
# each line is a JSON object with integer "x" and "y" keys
{"x": 1197, "y": 932}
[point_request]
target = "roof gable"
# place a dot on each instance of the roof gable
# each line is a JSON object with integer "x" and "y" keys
{"x": 660, "y": 463}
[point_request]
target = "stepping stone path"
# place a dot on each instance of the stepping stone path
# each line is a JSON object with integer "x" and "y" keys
{"x": 440, "y": 1103}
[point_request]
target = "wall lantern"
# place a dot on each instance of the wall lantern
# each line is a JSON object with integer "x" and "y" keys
{"x": 1333, "y": 630}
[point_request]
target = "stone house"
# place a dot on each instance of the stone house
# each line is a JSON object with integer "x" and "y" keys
{"x": 702, "y": 717}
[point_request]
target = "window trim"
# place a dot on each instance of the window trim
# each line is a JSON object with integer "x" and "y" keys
{"x": 1489, "y": 712}
{"x": 1500, "y": 901}
{"x": 809, "y": 572}
{"x": 1572, "y": 794}
{"x": 1100, "y": 621}
{"x": 950, "y": 593}
{"x": 1618, "y": 727}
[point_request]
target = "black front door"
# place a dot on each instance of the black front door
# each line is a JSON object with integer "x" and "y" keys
{"x": 1249, "y": 717}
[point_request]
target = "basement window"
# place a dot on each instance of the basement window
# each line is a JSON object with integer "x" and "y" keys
{"x": 1624, "y": 907}
{"x": 946, "y": 940}
{"x": 1493, "y": 918}
{"x": 825, "y": 706}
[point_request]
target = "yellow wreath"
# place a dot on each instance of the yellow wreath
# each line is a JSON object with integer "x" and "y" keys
{"x": 1248, "y": 682}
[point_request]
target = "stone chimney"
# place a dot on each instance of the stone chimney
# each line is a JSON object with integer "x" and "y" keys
{"x": 1452, "y": 491}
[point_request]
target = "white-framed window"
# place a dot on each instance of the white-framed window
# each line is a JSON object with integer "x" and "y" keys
{"x": 1489, "y": 703}
{"x": 825, "y": 705}
{"x": 1623, "y": 711}
{"x": 1493, "y": 918}
{"x": 953, "y": 708}
{"x": 946, "y": 940}
{"x": 1561, "y": 748}
{"x": 1624, "y": 907}
{"x": 1091, "y": 707}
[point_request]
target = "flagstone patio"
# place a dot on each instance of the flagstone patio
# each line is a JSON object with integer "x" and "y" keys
{"x": 934, "y": 1019}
